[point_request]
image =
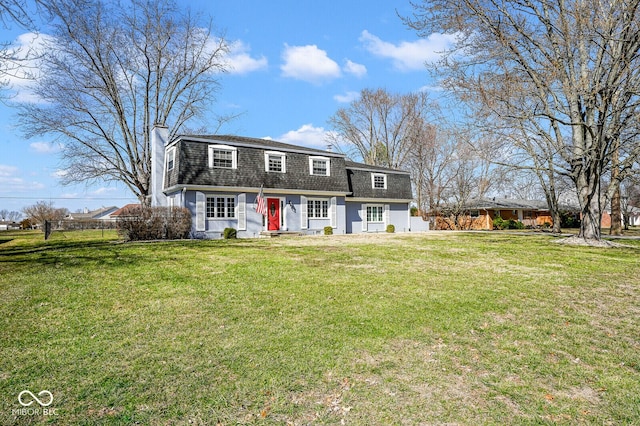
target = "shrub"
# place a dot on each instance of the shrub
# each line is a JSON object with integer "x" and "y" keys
{"x": 498, "y": 223}
{"x": 230, "y": 233}
{"x": 391, "y": 229}
{"x": 155, "y": 223}
{"x": 514, "y": 224}
{"x": 328, "y": 230}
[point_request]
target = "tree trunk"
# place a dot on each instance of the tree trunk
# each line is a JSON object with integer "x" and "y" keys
{"x": 616, "y": 213}
{"x": 590, "y": 221}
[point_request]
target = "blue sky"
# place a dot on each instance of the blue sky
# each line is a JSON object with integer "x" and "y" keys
{"x": 294, "y": 63}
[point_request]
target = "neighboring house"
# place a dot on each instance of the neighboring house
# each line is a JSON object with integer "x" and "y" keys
{"x": 633, "y": 218}
{"x": 480, "y": 213}
{"x": 6, "y": 225}
{"x": 103, "y": 214}
{"x": 219, "y": 178}
{"x": 126, "y": 210}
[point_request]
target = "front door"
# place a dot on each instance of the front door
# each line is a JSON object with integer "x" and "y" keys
{"x": 273, "y": 214}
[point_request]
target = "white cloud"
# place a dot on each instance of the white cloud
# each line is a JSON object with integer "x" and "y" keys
{"x": 308, "y": 63}
{"x": 431, "y": 89}
{"x": 347, "y": 97}
{"x": 307, "y": 135}
{"x": 409, "y": 56}
{"x": 103, "y": 190}
{"x": 22, "y": 73}
{"x": 358, "y": 70}
{"x": 240, "y": 61}
{"x": 12, "y": 183}
{"x": 45, "y": 147}
{"x": 59, "y": 174}
{"x": 7, "y": 171}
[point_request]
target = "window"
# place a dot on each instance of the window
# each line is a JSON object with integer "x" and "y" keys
{"x": 221, "y": 207}
{"x": 474, "y": 213}
{"x": 318, "y": 209}
{"x": 378, "y": 181}
{"x": 375, "y": 214}
{"x": 319, "y": 166}
{"x": 223, "y": 156}
{"x": 171, "y": 157}
{"x": 275, "y": 162}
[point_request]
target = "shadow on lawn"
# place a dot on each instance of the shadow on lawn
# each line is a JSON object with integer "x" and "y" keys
{"x": 71, "y": 253}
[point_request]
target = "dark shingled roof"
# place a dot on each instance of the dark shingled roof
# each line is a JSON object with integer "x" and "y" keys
{"x": 191, "y": 168}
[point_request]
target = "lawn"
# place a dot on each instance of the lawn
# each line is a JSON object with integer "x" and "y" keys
{"x": 437, "y": 328}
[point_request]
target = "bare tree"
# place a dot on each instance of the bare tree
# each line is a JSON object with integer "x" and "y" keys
{"x": 110, "y": 72}
{"x": 4, "y": 214}
{"x": 44, "y": 211}
{"x": 377, "y": 126}
{"x": 13, "y": 59}
{"x": 579, "y": 67}
{"x": 13, "y": 216}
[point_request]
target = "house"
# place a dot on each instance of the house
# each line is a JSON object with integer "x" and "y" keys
{"x": 220, "y": 178}
{"x": 103, "y": 214}
{"x": 126, "y": 210}
{"x": 480, "y": 213}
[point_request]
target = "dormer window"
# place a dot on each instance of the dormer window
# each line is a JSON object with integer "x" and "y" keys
{"x": 171, "y": 158}
{"x": 223, "y": 157}
{"x": 319, "y": 166}
{"x": 275, "y": 162}
{"x": 378, "y": 181}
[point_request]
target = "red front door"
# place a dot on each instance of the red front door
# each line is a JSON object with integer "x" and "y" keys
{"x": 273, "y": 214}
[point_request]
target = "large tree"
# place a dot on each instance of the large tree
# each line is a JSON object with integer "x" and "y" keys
{"x": 110, "y": 71}
{"x": 377, "y": 127}
{"x": 567, "y": 71}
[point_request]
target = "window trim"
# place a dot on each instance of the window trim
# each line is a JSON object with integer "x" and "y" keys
{"x": 283, "y": 159}
{"x": 226, "y": 198}
{"x": 381, "y": 212}
{"x": 311, "y": 212}
{"x": 170, "y": 158}
{"x": 234, "y": 156}
{"x": 326, "y": 160}
{"x": 377, "y": 175}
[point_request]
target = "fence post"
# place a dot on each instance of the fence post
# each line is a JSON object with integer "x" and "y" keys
{"x": 47, "y": 229}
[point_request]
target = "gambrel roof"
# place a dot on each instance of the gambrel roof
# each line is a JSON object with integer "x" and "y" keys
{"x": 191, "y": 169}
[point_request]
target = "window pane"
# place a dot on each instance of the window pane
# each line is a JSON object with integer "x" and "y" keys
{"x": 222, "y": 158}
{"x": 320, "y": 167}
{"x": 211, "y": 206}
{"x": 275, "y": 163}
{"x": 378, "y": 182}
{"x": 325, "y": 209}
{"x": 231, "y": 207}
{"x": 219, "y": 207}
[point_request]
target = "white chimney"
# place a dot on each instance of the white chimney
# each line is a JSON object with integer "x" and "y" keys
{"x": 159, "y": 140}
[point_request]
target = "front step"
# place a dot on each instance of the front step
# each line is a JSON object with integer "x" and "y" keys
{"x": 272, "y": 234}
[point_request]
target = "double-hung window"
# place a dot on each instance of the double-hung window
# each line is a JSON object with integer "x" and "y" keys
{"x": 275, "y": 162}
{"x": 375, "y": 213}
{"x": 221, "y": 207}
{"x": 319, "y": 166}
{"x": 223, "y": 157}
{"x": 318, "y": 209}
{"x": 378, "y": 181}
{"x": 171, "y": 158}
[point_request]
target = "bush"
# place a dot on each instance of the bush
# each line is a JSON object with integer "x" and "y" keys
{"x": 499, "y": 223}
{"x": 230, "y": 234}
{"x": 328, "y": 230}
{"x": 155, "y": 223}
{"x": 391, "y": 229}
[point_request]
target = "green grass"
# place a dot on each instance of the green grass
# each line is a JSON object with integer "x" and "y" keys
{"x": 397, "y": 329}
